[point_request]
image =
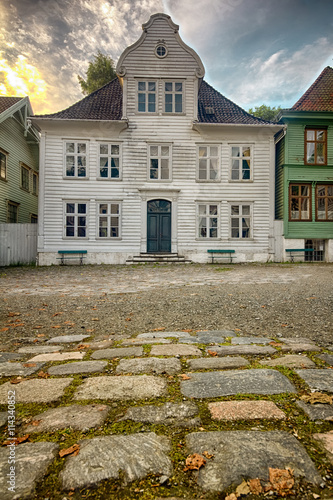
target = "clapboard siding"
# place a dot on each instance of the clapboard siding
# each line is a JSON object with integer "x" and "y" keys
{"x": 13, "y": 141}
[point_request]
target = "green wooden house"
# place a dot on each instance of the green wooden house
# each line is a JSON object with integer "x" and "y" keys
{"x": 304, "y": 173}
{"x": 19, "y": 151}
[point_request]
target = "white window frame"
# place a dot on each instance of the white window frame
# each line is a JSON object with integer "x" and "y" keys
{"x": 199, "y": 216}
{"x": 3, "y": 164}
{"x": 26, "y": 169}
{"x": 76, "y": 155}
{"x": 240, "y": 216}
{"x": 109, "y": 215}
{"x": 76, "y": 216}
{"x": 240, "y": 159}
{"x": 208, "y": 159}
{"x": 146, "y": 92}
{"x": 110, "y": 156}
{"x": 173, "y": 92}
{"x": 159, "y": 157}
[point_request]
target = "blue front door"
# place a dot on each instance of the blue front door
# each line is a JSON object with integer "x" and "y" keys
{"x": 159, "y": 226}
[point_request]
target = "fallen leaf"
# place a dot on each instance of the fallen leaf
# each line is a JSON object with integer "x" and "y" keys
{"x": 94, "y": 319}
{"x": 158, "y": 329}
{"x": 56, "y": 326}
{"x": 242, "y": 489}
{"x": 317, "y": 397}
{"x": 128, "y": 319}
{"x": 184, "y": 376}
{"x": 194, "y": 462}
{"x": 282, "y": 480}
{"x": 17, "y": 380}
{"x": 188, "y": 331}
{"x": 212, "y": 353}
{"x": 255, "y": 486}
{"x": 69, "y": 323}
{"x": 90, "y": 330}
{"x": 41, "y": 335}
{"x": 14, "y": 325}
{"x": 275, "y": 344}
{"x": 42, "y": 374}
{"x": 16, "y": 440}
{"x": 232, "y": 496}
{"x": 11, "y": 314}
{"x": 83, "y": 346}
{"x": 29, "y": 365}
{"x": 57, "y": 314}
{"x": 207, "y": 455}
{"x": 4, "y": 329}
{"x": 35, "y": 422}
{"x": 37, "y": 327}
{"x": 284, "y": 324}
{"x": 73, "y": 450}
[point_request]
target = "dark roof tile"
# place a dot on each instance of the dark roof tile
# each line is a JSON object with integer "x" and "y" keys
{"x": 104, "y": 104}
{"x": 8, "y": 102}
{"x": 319, "y": 97}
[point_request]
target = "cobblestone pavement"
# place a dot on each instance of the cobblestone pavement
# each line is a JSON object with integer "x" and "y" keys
{"x": 102, "y": 419}
{"x": 106, "y": 404}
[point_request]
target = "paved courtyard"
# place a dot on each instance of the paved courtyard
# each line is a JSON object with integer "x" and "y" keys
{"x": 122, "y": 411}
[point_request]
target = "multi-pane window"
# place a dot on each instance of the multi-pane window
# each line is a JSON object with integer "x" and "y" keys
{"x": 34, "y": 183}
{"x": 109, "y": 220}
{"x": 173, "y": 97}
{"x": 300, "y": 202}
{"x": 75, "y": 220}
{"x": 208, "y": 216}
{"x": 146, "y": 97}
{"x": 25, "y": 178}
{"x": 12, "y": 212}
{"x": 159, "y": 162}
{"x": 76, "y": 159}
{"x": 241, "y": 163}
{"x": 324, "y": 202}
{"x": 109, "y": 161}
{"x": 240, "y": 221}
{"x": 208, "y": 163}
{"x": 315, "y": 146}
{"x": 3, "y": 165}
{"x": 33, "y": 219}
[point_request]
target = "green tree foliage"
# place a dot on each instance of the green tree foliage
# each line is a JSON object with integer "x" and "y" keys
{"x": 265, "y": 112}
{"x": 100, "y": 72}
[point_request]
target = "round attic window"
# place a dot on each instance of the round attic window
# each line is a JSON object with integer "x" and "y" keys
{"x": 161, "y": 51}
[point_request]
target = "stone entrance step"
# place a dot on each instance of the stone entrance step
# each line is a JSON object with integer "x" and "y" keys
{"x": 146, "y": 258}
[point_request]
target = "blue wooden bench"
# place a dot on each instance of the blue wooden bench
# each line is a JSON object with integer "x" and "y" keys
{"x": 221, "y": 254}
{"x": 295, "y": 251}
{"x": 72, "y": 254}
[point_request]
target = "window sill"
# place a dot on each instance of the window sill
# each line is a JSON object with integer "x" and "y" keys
{"x": 78, "y": 238}
{"x": 24, "y": 189}
{"x": 207, "y": 240}
{"x": 241, "y": 181}
{"x": 208, "y": 181}
{"x": 173, "y": 114}
{"x": 113, "y": 179}
{"x": 241, "y": 239}
{"x": 73, "y": 178}
{"x": 108, "y": 238}
{"x": 3, "y": 179}
{"x": 159, "y": 181}
{"x": 301, "y": 220}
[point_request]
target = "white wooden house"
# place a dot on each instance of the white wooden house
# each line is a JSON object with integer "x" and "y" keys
{"x": 156, "y": 162}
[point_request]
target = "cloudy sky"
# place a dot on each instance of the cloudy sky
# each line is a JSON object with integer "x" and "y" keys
{"x": 254, "y": 51}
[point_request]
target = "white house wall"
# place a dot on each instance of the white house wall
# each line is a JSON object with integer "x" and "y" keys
{"x": 134, "y": 188}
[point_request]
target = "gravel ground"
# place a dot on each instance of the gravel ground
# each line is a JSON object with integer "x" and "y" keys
{"x": 110, "y": 301}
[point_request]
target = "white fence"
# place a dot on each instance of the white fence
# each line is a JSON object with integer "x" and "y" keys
{"x": 18, "y": 243}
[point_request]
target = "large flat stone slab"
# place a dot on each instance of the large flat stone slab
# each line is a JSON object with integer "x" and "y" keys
{"x": 247, "y": 455}
{"x": 8, "y": 369}
{"x": 317, "y": 411}
{"x": 291, "y": 361}
{"x": 159, "y": 335}
{"x": 320, "y": 380}
{"x": 122, "y": 388}
{"x": 328, "y": 358}
{"x": 9, "y": 356}
{"x": 117, "y": 352}
{"x": 31, "y": 463}
{"x": 250, "y": 340}
{"x": 175, "y": 350}
{"x": 35, "y": 390}
{"x": 245, "y": 410}
{"x": 216, "y": 363}
{"x": 231, "y": 382}
{"x": 221, "y": 333}
{"x": 146, "y": 341}
{"x": 181, "y": 415}
{"x": 135, "y": 455}
{"x": 149, "y": 365}
{"x": 78, "y": 417}
{"x": 252, "y": 350}
{"x": 300, "y": 348}
{"x": 78, "y": 367}
{"x": 67, "y": 339}
{"x": 56, "y": 356}
{"x": 40, "y": 349}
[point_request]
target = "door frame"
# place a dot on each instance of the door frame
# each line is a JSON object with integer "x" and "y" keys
{"x": 159, "y": 194}
{"x": 160, "y": 240}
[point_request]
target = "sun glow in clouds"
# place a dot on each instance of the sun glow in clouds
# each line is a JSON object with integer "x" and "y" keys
{"x": 21, "y": 80}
